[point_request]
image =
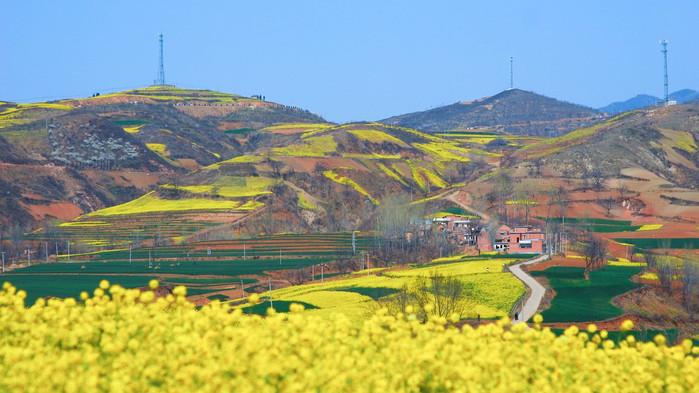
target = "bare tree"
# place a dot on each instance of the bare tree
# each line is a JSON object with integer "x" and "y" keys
{"x": 502, "y": 192}
{"x": 451, "y": 174}
{"x": 650, "y": 259}
{"x": 535, "y": 168}
{"x": 607, "y": 204}
{"x": 319, "y": 168}
{"x": 562, "y": 202}
{"x": 434, "y": 295}
{"x": 666, "y": 266}
{"x": 276, "y": 166}
{"x": 297, "y": 276}
{"x": 525, "y": 197}
{"x": 474, "y": 167}
{"x": 394, "y": 217}
{"x": 594, "y": 250}
{"x": 267, "y": 221}
{"x": 690, "y": 281}
{"x": 666, "y": 271}
{"x": 597, "y": 178}
{"x": 585, "y": 177}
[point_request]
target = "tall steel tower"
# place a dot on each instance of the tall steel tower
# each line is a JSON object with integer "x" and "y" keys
{"x": 512, "y": 85}
{"x": 664, "y": 50}
{"x": 161, "y": 67}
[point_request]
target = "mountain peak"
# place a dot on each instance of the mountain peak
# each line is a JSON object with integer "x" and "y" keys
{"x": 513, "y": 111}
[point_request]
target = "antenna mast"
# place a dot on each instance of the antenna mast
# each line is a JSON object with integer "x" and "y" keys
{"x": 512, "y": 85}
{"x": 161, "y": 67}
{"x": 664, "y": 50}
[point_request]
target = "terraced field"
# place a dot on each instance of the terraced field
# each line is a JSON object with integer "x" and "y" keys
{"x": 207, "y": 268}
{"x": 597, "y": 225}
{"x": 658, "y": 243}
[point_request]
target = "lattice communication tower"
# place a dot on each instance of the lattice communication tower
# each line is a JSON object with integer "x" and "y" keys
{"x": 161, "y": 66}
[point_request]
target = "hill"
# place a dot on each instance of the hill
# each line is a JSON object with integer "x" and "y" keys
{"x": 644, "y": 100}
{"x": 633, "y": 179}
{"x": 660, "y": 140}
{"x": 316, "y": 176}
{"x": 512, "y": 111}
{"x": 301, "y": 178}
{"x": 73, "y": 156}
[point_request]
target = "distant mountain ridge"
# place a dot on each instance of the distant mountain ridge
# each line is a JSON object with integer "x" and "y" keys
{"x": 512, "y": 111}
{"x": 644, "y": 100}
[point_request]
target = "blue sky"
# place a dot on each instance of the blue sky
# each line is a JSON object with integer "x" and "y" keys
{"x": 350, "y": 60}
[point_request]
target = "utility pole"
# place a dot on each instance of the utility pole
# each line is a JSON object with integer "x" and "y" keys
{"x": 354, "y": 244}
{"x": 271, "y": 301}
{"x": 46, "y": 245}
{"x": 242, "y": 291}
{"x": 129, "y": 253}
{"x": 367, "y": 264}
{"x": 56, "y": 251}
{"x": 280, "y": 257}
{"x": 29, "y": 256}
{"x": 68, "y": 249}
{"x": 243, "y": 250}
{"x": 3, "y": 261}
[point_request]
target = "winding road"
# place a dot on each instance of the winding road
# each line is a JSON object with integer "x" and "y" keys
{"x": 537, "y": 290}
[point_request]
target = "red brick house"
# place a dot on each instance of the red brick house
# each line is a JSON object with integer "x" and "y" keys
{"x": 516, "y": 239}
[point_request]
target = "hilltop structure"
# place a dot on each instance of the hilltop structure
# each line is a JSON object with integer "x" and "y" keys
{"x": 160, "y": 80}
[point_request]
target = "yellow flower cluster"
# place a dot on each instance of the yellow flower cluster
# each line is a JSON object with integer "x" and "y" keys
{"x": 126, "y": 341}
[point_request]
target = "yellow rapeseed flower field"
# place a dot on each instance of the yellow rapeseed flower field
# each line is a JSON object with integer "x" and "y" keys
{"x": 376, "y": 136}
{"x": 349, "y": 182}
{"x": 649, "y": 227}
{"x": 157, "y": 147}
{"x": 316, "y": 146}
{"x": 126, "y": 341}
{"x": 150, "y": 203}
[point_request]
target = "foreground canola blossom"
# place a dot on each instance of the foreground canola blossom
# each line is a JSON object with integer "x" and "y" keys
{"x": 126, "y": 341}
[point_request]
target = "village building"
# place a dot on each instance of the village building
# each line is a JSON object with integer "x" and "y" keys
{"x": 462, "y": 230}
{"x": 516, "y": 239}
{"x": 519, "y": 239}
